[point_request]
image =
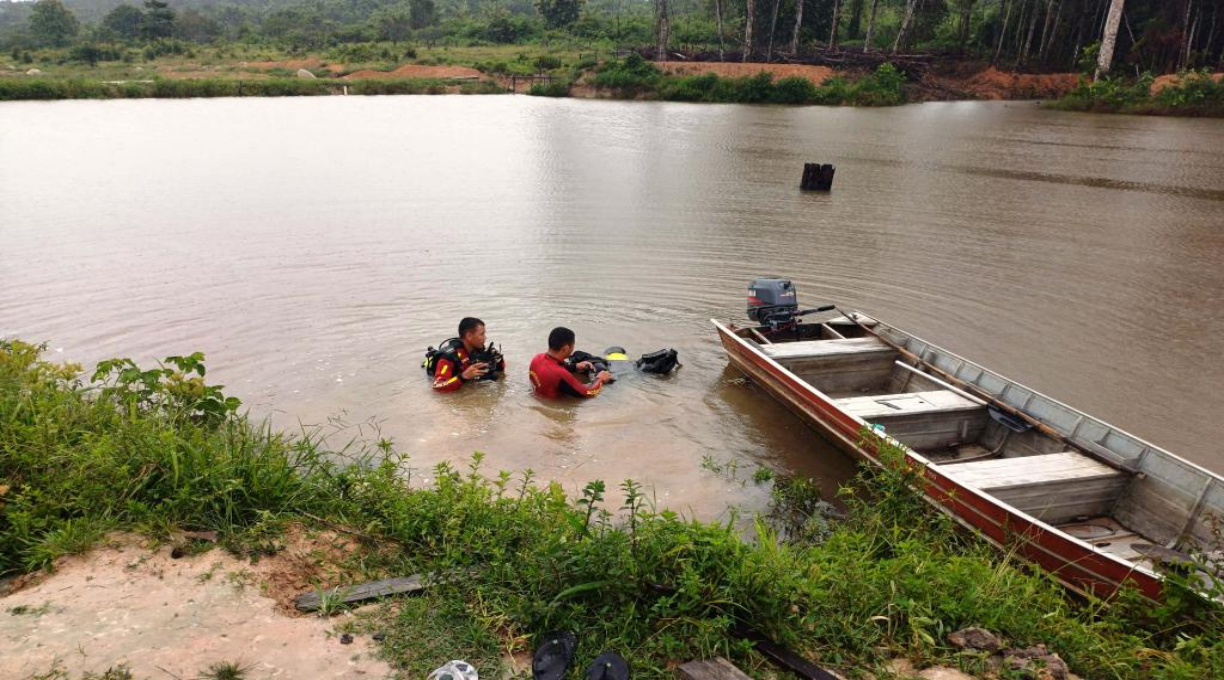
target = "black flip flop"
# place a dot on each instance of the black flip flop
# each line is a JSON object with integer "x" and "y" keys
{"x": 553, "y": 656}
{"x": 608, "y": 666}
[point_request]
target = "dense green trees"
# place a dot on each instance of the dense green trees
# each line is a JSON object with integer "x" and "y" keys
{"x": 52, "y": 24}
{"x": 124, "y": 22}
{"x": 158, "y": 20}
{"x": 1151, "y": 35}
{"x": 559, "y": 13}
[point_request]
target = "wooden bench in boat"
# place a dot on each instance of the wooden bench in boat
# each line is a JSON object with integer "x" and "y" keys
{"x": 836, "y": 365}
{"x": 922, "y": 420}
{"x": 811, "y": 349}
{"x": 1055, "y": 487}
{"x": 879, "y": 406}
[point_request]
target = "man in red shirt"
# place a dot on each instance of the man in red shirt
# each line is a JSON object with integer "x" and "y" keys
{"x": 453, "y": 359}
{"x": 551, "y": 376}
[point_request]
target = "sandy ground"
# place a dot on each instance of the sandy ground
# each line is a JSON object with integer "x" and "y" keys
{"x": 174, "y": 618}
{"x": 816, "y": 74}
{"x": 1173, "y": 79}
{"x": 418, "y": 71}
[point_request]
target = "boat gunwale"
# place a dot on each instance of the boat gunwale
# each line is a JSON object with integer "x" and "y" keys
{"x": 1152, "y": 448}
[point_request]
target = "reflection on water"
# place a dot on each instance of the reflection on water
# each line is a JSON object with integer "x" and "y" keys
{"x": 314, "y": 248}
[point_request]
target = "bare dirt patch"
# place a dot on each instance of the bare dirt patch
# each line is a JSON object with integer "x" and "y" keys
{"x": 1173, "y": 79}
{"x": 816, "y": 74}
{"x": 206, "y": 73}
{"x": 127, "y": 604}
{"x": 995, "y": 84}
{"x": 295, "y": 64}
{"x": 417, "y": 71}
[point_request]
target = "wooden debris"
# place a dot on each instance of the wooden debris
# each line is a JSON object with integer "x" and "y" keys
{"x": 311, "y": 602}
{"x": 784, "y": 657}
{"x": 793, "y": 662}
{"x": 711, "y": 669}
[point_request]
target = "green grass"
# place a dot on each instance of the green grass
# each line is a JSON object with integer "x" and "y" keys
{"x": 424, "y": 632}
{"x": 146, "y": 449}
{"x": 1195, "y": 95}
{"x": 225, "y": 670}
{"x": 636, "y": 78}
{"x": 47, "y": 88}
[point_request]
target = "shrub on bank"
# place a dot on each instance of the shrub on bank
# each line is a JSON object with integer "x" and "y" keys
{"x": 628, "y": 77}
{"x": 1194, "y": 94}
{"x": 156, "y": 449}
{"x": 637, "y": 78}
{"x": 556, "y": 88}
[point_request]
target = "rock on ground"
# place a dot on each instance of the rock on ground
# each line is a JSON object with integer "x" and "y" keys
{"x": 941, "y": 673}
{"x": 1036, "y": 662}
{"x": 976, "y": 638}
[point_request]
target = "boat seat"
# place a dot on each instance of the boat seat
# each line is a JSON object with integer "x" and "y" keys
{"x": 923, "y": 421}
{"x": 879, "y": 406}
{"x": 834, "y": 366}
{"x": 1054, "y": 487}
{"x": 812, "y": 349}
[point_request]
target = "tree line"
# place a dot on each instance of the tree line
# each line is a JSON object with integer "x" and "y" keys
{"x": 1123, "y": 36}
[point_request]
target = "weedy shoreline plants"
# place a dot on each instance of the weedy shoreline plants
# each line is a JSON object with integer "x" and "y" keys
{"x": 892, "y": 578}
{"x": 1192, "y": 94}
{"x": 636, "y": 78}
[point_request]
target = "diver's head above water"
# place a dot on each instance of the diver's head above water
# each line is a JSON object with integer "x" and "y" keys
{"x": 472, "y": 333}
{"x": 551, "y": 376}
{"x": 561, "y": 343}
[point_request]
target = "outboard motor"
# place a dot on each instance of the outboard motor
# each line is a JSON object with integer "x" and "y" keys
{"x": 773, "y": 302}
{"x": 769, "y": 297}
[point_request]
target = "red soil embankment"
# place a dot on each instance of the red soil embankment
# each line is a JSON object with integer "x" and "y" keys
{"x": 995, "y": 84}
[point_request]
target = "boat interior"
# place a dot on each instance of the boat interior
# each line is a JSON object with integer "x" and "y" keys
{"x": 1109, "y": 503}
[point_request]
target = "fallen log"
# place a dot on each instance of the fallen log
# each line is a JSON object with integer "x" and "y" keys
{"x": 313, "y": 602}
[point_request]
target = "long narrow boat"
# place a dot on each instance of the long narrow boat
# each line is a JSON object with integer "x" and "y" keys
{"x": 1095, "y": 506}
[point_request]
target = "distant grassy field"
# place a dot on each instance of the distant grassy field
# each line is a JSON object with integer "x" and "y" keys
{"x": 248, "y": 63}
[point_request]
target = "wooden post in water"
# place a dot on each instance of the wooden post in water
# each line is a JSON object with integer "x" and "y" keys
{"x": 817, "y": 177}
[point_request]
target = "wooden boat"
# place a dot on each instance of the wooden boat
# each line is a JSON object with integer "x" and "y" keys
{"x": 1095, "y": 506}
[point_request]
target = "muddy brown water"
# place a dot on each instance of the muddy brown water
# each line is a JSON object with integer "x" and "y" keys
{"x": 314, "y": 247}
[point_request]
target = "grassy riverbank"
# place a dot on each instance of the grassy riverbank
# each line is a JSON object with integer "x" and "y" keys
{"x": 636, "y": 78}
{"x": 277, "y": 87}
{"x": 1192, "y": 94}
{"x": 478, "y": 71}
{"x": 158, "y": 450}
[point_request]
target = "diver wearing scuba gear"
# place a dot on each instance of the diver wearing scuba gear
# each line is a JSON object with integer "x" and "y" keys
{"x": 463, "y": 359}
{"x": 551, "y": 376}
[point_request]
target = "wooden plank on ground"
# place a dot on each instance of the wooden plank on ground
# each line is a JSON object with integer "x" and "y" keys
{"x": 711, "y": 669}
{"x": 311, "y": 602}
{"x": 793, "y": 662}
